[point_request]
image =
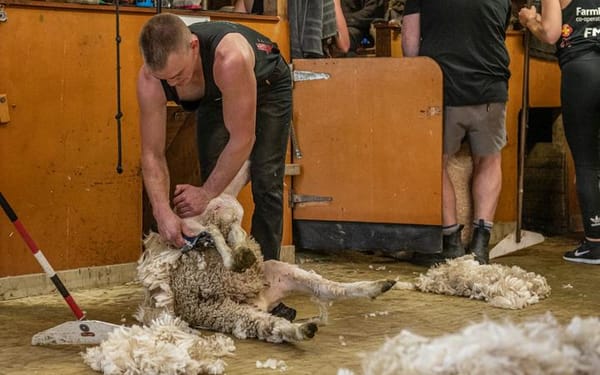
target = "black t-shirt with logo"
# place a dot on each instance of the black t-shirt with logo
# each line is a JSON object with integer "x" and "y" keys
{"x": 580, "y": 31}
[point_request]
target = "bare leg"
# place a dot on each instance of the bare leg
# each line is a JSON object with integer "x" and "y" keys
{"x": 487, "y": 183}
{"x": 285, "y": 279}
{"x": 448, "y": 196}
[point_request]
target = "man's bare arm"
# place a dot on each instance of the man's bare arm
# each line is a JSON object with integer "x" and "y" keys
{"x": 411, "y": 34}
{"x": 547, "y": 26}
{"x": 234, "y": 75}
{"x": 153, "y": 114}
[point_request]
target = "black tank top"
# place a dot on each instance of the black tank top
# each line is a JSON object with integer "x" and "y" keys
{"x": 580, "y": 32}
{"x": 210, "y": 34}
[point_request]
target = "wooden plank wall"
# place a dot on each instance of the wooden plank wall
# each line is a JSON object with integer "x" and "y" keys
{"x": 58, "y": 152}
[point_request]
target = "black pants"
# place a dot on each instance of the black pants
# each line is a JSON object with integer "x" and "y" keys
{"x": 580, "y": 96}
{"x": 273, "y": 113}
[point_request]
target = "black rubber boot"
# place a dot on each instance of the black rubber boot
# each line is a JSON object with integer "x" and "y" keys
{"x": 284, "y": 312}
{"x": 479, "y": 244}
{"x": 451, "y": 248}
{"x": 452, "y": 245}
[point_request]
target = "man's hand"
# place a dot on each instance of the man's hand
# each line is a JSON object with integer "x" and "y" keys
{"x": 529, "y": 17}
{"x": 190, "y": 200}
{"x": 171, "y": 228}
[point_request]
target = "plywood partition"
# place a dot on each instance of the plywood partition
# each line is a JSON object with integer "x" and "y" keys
{"x": 371, "y": 136}
{"x": 58, "y": 153}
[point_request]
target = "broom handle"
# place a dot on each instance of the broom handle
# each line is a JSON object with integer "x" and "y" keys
{"x": 523, "y": 131}
{"x": 39, "y": 256}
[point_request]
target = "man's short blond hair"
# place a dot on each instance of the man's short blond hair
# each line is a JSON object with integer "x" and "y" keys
{"x": 162, "y": 35}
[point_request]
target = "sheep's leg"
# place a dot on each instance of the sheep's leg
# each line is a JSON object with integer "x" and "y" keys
{"x": 243, "y": 256}
{"x": 221, "y": 246}
{"x": 245, "y": 321}
{"x": 285, "y": 279}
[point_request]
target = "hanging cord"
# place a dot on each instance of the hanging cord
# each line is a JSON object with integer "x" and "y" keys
{"x": 119, "y": 114}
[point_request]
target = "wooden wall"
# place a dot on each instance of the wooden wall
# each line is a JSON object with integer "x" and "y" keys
{"x": 58, "y": 152}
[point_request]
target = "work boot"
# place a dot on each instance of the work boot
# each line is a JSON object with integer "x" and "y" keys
{"x": 451, "y": 248}
{"x": 284, "y": 312}
{"x": 451, "y": 244}
{"x": 479, "y": 244}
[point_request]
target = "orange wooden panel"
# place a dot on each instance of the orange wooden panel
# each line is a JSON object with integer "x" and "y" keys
{"x": 371, "y": 138}
{"x": 58, "y": 153}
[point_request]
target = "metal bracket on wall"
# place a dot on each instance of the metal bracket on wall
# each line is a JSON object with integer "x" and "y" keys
{"x": 304, "y": 199}
{"x": 304, "y": 75}
{"x": 3, "y": 16}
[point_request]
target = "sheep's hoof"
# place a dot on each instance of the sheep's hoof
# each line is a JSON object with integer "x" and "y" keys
{"x": 387, "y": 285}
{"x": 309, "y": 329}
{"x": 244, "y": 258}
{"x": 382, "y": 286}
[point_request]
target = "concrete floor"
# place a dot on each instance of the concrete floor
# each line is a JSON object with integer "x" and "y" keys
{"x": 351, "y": 330}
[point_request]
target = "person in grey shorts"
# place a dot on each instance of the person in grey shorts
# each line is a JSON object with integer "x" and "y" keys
{"x": 474, "y": 61}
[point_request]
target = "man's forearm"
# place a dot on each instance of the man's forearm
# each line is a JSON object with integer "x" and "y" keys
{"x": 155, "y": 174}
{"x": 411, "y": 35}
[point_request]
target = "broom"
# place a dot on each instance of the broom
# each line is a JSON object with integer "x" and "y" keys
{"x": 520, "y": 239}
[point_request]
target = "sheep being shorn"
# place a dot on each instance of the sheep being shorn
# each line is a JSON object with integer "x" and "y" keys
{"x": 499, "y": 285}
{"x": 198, "y": 288}
{"x": 537, "y": 346}
{"x": 225, "y": 286}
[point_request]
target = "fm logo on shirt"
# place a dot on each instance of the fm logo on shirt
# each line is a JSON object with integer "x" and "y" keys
{"x": 591, "y": 32}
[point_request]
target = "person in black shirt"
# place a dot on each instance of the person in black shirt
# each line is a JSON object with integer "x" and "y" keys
{"x": 466, "y": 38}
{"x": 577, "y": 36}
{"x": 359, "y": 15}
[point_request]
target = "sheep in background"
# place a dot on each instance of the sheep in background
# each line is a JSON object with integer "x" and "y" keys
{"x": 536, "y": 346}
{"x": 501, "y": 286}
{"x": 228, "y": 287}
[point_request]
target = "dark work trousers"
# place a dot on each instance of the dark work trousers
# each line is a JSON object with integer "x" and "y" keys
{"x": 580, "y": 96}
{"x": 273, "y": 113}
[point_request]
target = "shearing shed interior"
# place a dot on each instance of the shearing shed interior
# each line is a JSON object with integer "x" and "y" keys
{"x": 88, "y": 285}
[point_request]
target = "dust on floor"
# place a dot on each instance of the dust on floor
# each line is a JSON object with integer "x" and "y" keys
{"x": 355, "y": 327}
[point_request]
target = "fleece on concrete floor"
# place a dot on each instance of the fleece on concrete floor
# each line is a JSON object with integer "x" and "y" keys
{"x": 355, "y": 327}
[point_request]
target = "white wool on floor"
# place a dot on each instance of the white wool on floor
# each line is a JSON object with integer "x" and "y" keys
{"x": 272, "y": 364}
{"x": 538, "y": 346}
{"x": 500, "y": 285}
{"x": 166, "y": 346}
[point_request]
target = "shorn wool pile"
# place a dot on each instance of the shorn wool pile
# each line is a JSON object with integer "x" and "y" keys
{"x": 540, "y": 346}
{"x": 165, "y": 346}
{"x": 499, "y": 285}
